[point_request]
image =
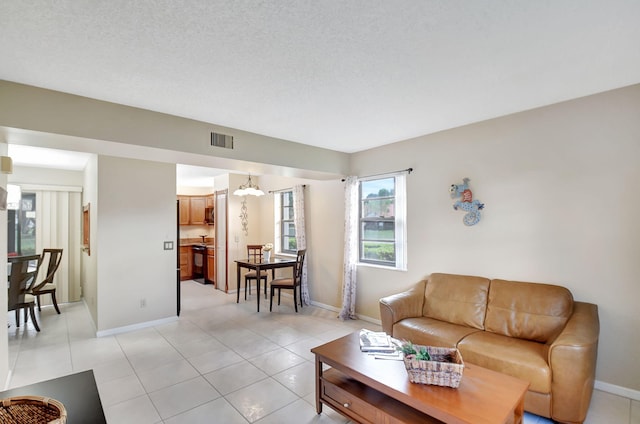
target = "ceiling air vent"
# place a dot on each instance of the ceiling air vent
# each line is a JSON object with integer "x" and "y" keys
{"x": 222, "y": 140}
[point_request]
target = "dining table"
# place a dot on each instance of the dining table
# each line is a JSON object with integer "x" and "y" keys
{"x": 262, "y": 265}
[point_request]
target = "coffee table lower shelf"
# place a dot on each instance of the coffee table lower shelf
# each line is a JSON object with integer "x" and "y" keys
{"x": 363, "y": 404}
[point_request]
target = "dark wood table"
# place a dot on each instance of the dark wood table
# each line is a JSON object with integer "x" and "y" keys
{"x": 77, "y": 392}
{"x": 262, "y": 265}
{"x": 370, "y": 390}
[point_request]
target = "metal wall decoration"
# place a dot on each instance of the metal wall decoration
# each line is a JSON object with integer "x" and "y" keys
{"x": 244, "y": 217}
{"x": 466, "y": 202}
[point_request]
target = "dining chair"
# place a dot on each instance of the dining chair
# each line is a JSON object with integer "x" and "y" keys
{"x": 47, "y": 286}
{"x": 293, "y": 283}
{"x": 254, "y": 253}
{"x": 24, "y": 270}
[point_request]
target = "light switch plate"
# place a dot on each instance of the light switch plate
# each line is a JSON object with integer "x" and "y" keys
{"x": 168, "y": 245}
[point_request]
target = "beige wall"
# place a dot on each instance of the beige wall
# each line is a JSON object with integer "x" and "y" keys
{"x": 136, "y": 214}
{"x": 89, "y": 274}
{"x": 560, "y": 185}
{"x": 46, "y": 176}
{"x": 85, "y": 122}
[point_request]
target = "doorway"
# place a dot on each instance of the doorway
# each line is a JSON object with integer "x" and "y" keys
{"x": 221, "y": 229}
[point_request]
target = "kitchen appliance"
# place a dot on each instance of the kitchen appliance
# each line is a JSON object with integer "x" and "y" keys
{"x": 209, "y": 215}
{"x": 199, "y": 262}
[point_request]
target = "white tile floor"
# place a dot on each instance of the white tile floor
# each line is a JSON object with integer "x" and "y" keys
{"x": 220, "y": 362}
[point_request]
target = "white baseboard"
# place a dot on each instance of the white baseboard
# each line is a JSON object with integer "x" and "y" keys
{"x": 139, "y": 326}
{"x": 369, "y": 319}
{"x": 617, "y": 390}
{"x": 333, "y": 308}
{"x": 323, "y": 306}
{"x": 127, "y": 328}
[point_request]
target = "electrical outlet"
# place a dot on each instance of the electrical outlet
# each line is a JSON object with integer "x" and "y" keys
{"x": 143, "y": 303}
{"x": 237, "y": 239}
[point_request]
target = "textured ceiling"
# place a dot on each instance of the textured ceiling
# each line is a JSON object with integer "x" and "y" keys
{"x": 342, "y": 74}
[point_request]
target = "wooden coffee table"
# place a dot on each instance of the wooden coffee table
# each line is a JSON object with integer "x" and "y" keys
{"x": 369, "y": 390}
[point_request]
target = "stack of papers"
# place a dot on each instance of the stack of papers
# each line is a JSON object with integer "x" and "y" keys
{"x": 376, "y": 342}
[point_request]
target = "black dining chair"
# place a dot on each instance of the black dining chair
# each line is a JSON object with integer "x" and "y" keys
{"x": 290, "y": 283}
{"x": 47, "y": 286}
{"x": 24, "y": 270}
{"x": 254, "y": 253}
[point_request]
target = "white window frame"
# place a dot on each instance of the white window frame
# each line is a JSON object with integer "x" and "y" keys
{"x": 400, "y": 221}
{"x": 277, "y": 230}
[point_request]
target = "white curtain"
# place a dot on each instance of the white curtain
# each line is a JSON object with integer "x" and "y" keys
{"x": 301, "y": 237}
{"x": 59, "y": 225}
{"x": 350, "y": 249}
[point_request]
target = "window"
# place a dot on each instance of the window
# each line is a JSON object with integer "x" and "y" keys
{"x": 21, "y": 226}
{"x": 285, "y": 227}
{"x": 382, "y": 219}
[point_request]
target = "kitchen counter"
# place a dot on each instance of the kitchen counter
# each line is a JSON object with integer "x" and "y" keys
{"x": 209, "y": 242}
{"x": 208, "y": 246}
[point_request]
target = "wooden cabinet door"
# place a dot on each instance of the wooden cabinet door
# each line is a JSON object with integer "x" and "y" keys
{"x": 185, "y": 208}
{"x": 211, "y": 264}
{"x": 186, "y": 265}
{"x": 211, "y": 200}
{"x": 197, "y": 211}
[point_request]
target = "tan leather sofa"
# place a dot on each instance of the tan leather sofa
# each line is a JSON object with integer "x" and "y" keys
{"x": 535, "y": 332}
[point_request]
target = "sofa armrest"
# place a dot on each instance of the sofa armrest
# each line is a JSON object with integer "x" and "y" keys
{"x": 572, "y": 358}
{"x": 402, "y": 305}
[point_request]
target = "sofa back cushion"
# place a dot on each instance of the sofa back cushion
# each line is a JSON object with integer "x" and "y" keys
{"x": 458, "y": 299}
{"x": 528, "y": 311}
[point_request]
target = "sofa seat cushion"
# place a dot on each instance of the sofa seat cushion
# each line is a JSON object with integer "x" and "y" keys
{"x": 519, "y": 358}
{"x": 431, "y": 332}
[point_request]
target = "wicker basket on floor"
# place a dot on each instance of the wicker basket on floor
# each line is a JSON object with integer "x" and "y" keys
{"x": 444, "y": 369}
{"x": 32, "y": 410}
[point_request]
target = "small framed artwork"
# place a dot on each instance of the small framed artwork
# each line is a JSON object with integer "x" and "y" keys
{"x": 86, "y": 228}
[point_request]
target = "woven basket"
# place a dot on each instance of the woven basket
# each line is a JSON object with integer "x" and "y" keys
{"x": 32, "y": 410}
{"x": 439, "y": 371}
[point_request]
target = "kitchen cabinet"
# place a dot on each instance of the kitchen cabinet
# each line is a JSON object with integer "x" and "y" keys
{"x": 196, "y": 214}
{"x": 211, "y": 265}
{"x": 211, "y": 200}
{"x": 185, "y": 209}
{"x": 186, "y": 263}
{"x": 192, "y": 210}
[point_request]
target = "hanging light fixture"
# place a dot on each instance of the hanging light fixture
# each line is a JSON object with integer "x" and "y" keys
{"x": 249, "y": 189}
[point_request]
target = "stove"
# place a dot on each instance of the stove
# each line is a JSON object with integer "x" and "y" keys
{"x": 199, "y": 262}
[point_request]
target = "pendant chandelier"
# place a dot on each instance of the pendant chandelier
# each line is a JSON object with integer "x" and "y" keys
{"x": 249, "y": 188}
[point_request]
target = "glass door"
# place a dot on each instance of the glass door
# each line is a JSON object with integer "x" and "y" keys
{"x": 21, "y": 222}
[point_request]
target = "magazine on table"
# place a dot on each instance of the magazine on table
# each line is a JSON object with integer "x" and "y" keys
{"x": 376, "y": 341}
